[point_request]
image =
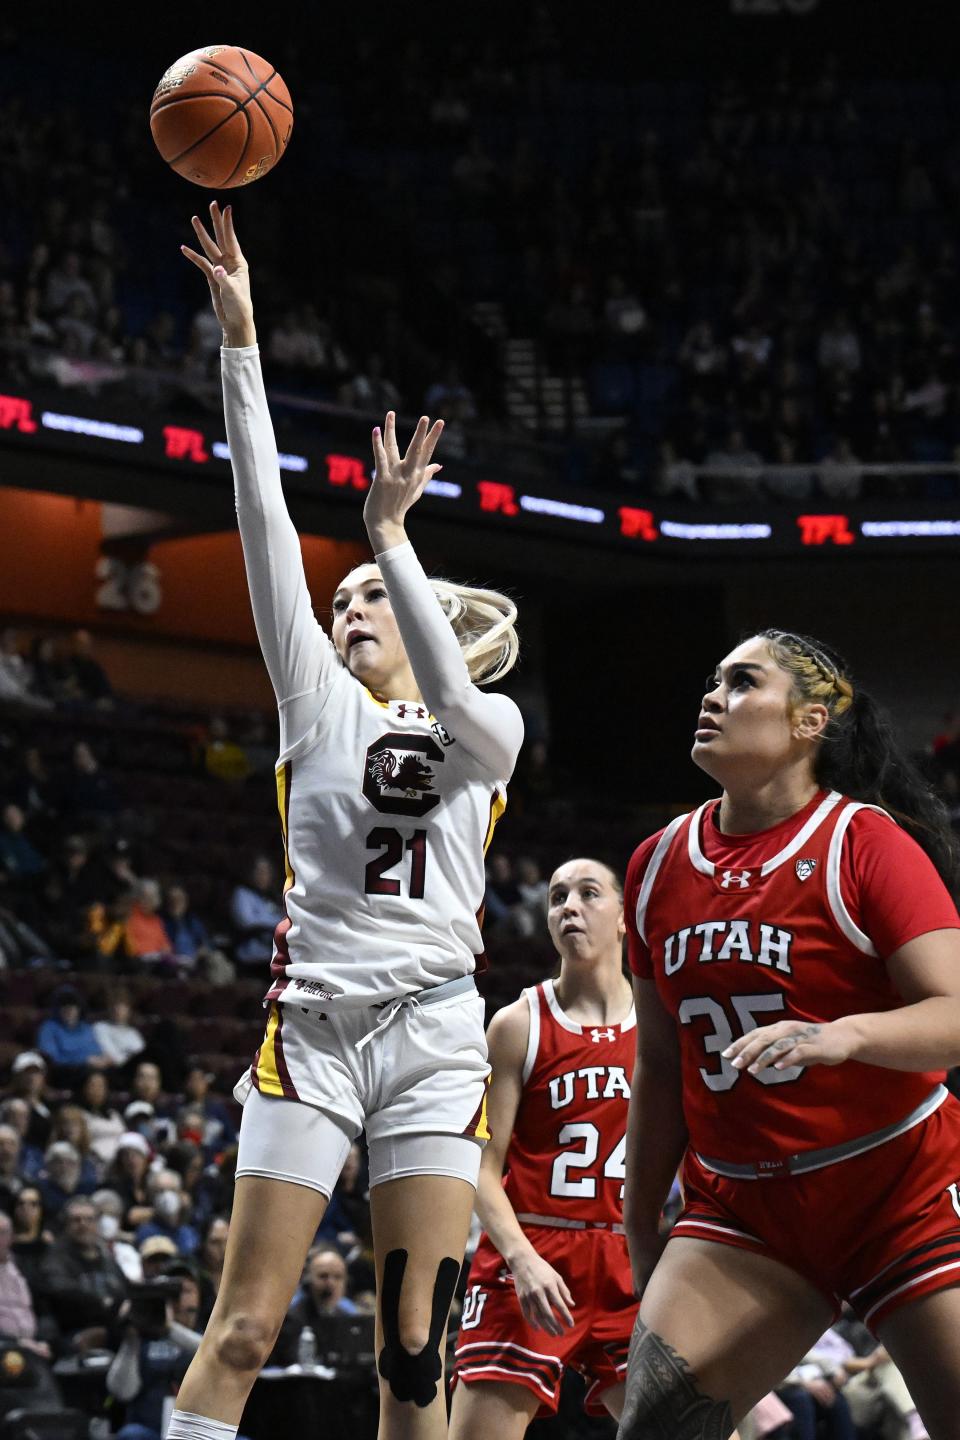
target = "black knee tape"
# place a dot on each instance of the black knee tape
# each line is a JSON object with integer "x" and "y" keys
{"x": 413, "y": 1377}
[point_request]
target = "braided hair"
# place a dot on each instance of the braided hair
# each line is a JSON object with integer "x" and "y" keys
{"x": 860, "y": 754}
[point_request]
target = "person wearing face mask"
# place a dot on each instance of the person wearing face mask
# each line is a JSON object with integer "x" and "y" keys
{"x": 109, "y": 1208}
{"x": 392, "y": 775}
{"x": 164, "y": 1187}
{"x": 796, "y": 953}
{"x": 550, "y": 1286}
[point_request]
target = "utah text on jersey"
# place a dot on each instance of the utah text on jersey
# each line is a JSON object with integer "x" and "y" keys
{"x": 754, "y": 942}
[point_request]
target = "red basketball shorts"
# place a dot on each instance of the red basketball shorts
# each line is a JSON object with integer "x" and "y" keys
{"x": 496, "y": 1343}
{"x": 878, "y": 1230}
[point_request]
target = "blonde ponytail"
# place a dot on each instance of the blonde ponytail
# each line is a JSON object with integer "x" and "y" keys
{"x": 484, "y": 622}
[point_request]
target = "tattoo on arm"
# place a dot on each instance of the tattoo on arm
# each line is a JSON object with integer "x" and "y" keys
{"x": 663, "y": 1400}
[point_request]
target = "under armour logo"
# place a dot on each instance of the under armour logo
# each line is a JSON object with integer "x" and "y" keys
{"x": 805, "y": 869}
{"x": 403, "y": 710}
{"x": 741, "y": 878}
{"x": 597, "y": 1035}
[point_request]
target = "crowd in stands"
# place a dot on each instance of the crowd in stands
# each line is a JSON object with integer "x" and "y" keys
{"x": 755, "y": 270}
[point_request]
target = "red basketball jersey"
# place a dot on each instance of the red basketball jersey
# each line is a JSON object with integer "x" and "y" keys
{"x": 565, "y": 1160}
{"x": 733, "y": 947}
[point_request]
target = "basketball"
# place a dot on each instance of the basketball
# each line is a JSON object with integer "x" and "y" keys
{"x": 221, "y": 116}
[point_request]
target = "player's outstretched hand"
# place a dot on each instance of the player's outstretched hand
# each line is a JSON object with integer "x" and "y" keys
{"x": 227, "y": 272}
{"x": 543, "y": 1295}
{"x": 398, "y": 482}
{"x": 792, "y": 1042}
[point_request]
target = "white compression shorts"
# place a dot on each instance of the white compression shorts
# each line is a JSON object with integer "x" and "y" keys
{"x": 288, "y": 1140}
{"x": 412, "y": 1074}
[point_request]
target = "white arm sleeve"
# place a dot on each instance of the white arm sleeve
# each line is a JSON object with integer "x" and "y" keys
{"x": 489, "y": 726}
{"x": 298, "y": 654}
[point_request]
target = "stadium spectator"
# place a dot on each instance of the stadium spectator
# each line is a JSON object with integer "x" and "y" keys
{"x": 67, "y": 1039}
{"x": 128, "y": 1177}
{"x": 170, "y": 1208}
{"x": 103, "y": 1121}
{"x": 79, "y": 1279}
{"x": 218, "y": 1128}
{"x": 89, "y": 791}
{"x": 32, "y": 1237}
{"x": 65, "y": 282}
{"x": 190, "y": 939}
{"x": 28, "y": 1082}
{"x": 61, "y": 1178}
{"x": 324, "y": 1288}
{"x": 109, "y": 1208}
{"x": 451, "y": 394}
{"x": 36, "y": 791}
{"x": 369, "y": 389}
{"x": 213, "y": 1248}
{"x": 735, "y": 471}
{"x": 346, "y": 1220}
{"x": 795, "y": 483}
{"x": 18, "y": 1324}
{"x": 223, "y": 758}
{"x": 148, "y": 1367}
{"x": 119, "y": 1040}
{"x": 147, "y": 1088}
{"x": 839, "y": 475}
{"x": 674, "y": 475}
{"x": 16, "y": 674}
{"x": 45, "y": 668}
{"x": 83, "y": 677}
{"x": 19, "y": 860}
{"x": 533, "y": 892}
{"x": 70, "y": 1124}
{"x": 145, "y": 935}
{"x": 155, "y": 1253}
{"x": 873, "y": 1387}
{"x": 11, "y": 1177}
{"x": 15, "y": 1112}
{"x": 502, "y": 898}
{"x": 256, "y": 914}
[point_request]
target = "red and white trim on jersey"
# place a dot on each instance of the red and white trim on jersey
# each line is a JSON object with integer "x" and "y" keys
{"x": 653, "y": 870}
{"x": 713, "y": 1227}
{"x": 700, "y": 863}
{"x": 841, "y": 914}
{"x": 915, "y": 1268}
{"x": 593, "y": 1399}
{"x": 504, "y": 1359}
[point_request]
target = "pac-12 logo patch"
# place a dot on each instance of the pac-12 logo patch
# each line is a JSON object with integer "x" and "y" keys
{"x": 805, "y": 869}
{"x": 473, "y": 1303}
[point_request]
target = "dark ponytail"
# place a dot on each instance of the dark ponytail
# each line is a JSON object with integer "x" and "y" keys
{"x": 860, "y": 754}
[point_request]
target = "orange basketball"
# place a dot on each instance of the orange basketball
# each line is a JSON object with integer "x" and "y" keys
{"x": 221, "y": 116}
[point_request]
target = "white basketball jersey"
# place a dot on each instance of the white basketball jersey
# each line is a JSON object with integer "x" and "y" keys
{"x": 386, "y": 820}
{"x": 386, "y": 814}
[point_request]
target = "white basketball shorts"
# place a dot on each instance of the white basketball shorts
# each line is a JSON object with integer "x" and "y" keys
{"x": 413, "y": 1074}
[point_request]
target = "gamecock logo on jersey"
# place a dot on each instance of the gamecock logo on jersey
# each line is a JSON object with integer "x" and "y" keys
{"x": 397, "y": 778}
{"x": 805, "y": 869}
